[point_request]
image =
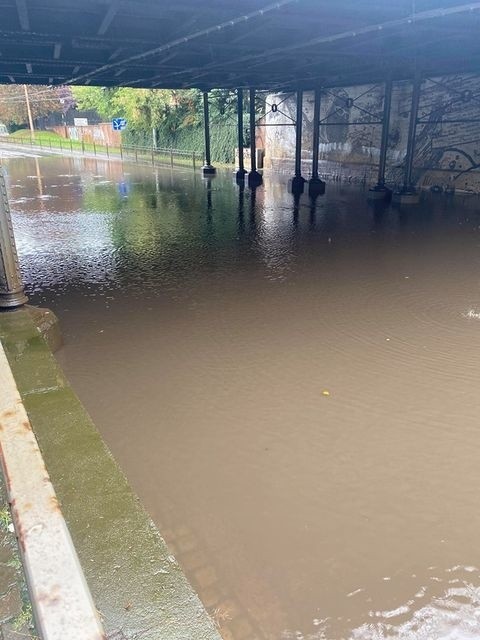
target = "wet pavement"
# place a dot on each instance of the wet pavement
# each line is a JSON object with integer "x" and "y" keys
{"x": 291, "y": 388}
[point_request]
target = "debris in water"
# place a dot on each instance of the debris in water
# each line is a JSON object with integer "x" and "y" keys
{"x": 471, "y": 313}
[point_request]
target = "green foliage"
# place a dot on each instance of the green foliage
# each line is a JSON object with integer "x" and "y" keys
{"x": 24, "y": 619}
{"x": 15, "y": 563}
{"x": 5, "y": 518}
{"x": 46, "y": 136}
{"x": 176, "y": 116}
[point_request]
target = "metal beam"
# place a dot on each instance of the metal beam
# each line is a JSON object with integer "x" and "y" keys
{"x": 316, "y": 187}
{"x": 254, "y": 178}
{"x": 298, "y": 135}
{"x": 241, "y": 165}
{"x": 412, "y": 130}
{"x": 108, "y": 19}
{"x": 23, "y": 15}
{"x": 316, "y": 132}
{"x": 253, "y": 147}
{"x": 387, "y": 102}
{"x": 297, "y": 183}
{"x": 207, "y": 167}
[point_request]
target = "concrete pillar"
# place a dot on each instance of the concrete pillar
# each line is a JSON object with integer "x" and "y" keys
{"x": 408, "y": 194}
{"x": 11, "y": 286}
{"x": 316, "y": 186}
{"x": 254, "y": 178}
{"x": 240, "y": 175}
{"x": 380, "y": 191}
{"x": 207, "y": 168}
{"x": 297, "y": 183}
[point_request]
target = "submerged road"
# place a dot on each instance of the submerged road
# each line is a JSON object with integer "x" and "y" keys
{"x": 292, "y": 390}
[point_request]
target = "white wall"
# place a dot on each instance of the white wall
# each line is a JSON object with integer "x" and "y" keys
{"x": 445, "y": 153}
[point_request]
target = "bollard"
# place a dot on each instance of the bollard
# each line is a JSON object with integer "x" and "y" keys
{"x": 108, "y": 155}
{"x": 83, "y": 146}
{"x": 71, "y": 145}
{"x": 94, "y": 148}
{"x": 11, "y": 286}
{"x": 193, "y": 159}
{"x": 121, "y": 152}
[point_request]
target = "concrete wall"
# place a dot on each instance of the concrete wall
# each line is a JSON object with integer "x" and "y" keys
{"x": 446, "y": 152}
{"x": 102, "y": 133}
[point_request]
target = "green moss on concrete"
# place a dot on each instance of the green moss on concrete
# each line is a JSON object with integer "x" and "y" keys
{"x": 137, "y": 585}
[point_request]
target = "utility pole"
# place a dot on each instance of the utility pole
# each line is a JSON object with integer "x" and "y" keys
{"x": 29, "y": 111}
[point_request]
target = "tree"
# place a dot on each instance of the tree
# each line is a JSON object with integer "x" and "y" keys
{"x": 176, "y": 115}
{"x": 143, "y": 108}
{"x": 43, "y": 101}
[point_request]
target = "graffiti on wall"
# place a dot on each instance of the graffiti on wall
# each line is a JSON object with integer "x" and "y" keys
{"x": 447, "y": 148}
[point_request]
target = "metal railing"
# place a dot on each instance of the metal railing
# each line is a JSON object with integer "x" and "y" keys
{"x": 142, "y": 154}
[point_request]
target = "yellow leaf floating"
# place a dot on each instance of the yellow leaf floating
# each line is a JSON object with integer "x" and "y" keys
{"x": 325, "y": 392}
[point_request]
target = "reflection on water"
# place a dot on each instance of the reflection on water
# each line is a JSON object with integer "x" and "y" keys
{"x": 290, "y": 386}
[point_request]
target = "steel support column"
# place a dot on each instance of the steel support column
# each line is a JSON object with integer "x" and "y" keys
{"x": 207, "y": 168}
{"x": 412, "y": 130}
{"x": 316, "y": 186}
{"x": 11, "y": 286}
{"x": 254, "y": 178}
{"x": 380, "y": 191}
{"x": 241, "y": 165}
{"x": 387, "y": 103}
{"x": 298, "y": 182}
{"x": 408, "y": 194}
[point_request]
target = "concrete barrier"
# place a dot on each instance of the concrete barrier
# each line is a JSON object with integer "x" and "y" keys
{"x": 62, "y": 605}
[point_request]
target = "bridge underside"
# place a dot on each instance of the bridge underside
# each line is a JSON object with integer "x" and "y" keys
{"x": 287, "y": 44}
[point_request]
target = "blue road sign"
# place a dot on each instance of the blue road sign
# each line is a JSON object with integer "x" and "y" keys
{"x": 119, "y": 124}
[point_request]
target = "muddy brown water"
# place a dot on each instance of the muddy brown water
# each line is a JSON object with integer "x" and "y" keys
{"x": 292, "y": 389}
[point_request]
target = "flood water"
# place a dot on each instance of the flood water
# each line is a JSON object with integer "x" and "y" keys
{"x": 291, "y": 389}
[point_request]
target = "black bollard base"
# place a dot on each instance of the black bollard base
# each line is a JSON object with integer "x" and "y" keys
{"x": 12, "y": 299}
{"x": 208, "y": 170}
{"x": 240, "y": 176}
{"x": 296, "y": 185}
{"x": 316, "y": 187}
{"x": 379, "y": 192}
{"x": 254, "y": 179}
{"x": 407, "y": 195}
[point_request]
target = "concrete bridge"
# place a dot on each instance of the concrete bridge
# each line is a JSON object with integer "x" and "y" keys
{"x": 288, "y": 48}
{"x": 287, "y": 45}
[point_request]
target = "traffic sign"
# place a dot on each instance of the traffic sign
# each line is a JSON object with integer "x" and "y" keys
{"x": 119, "y": 124}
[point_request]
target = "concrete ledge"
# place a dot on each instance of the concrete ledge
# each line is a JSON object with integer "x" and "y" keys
{"x": 62, "y": 605}
{"x": 47, "y": 325}
{"x": 135, "y": 582}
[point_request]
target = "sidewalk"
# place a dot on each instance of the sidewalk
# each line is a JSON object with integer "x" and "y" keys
{"x": 16, "y": 621}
